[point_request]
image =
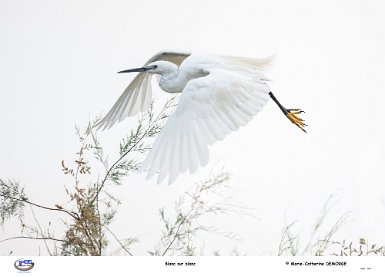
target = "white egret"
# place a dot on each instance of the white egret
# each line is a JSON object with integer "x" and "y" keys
{"x": 219, "y": 94}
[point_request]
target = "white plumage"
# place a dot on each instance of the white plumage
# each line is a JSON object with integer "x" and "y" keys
{"x": 219, "y": 94}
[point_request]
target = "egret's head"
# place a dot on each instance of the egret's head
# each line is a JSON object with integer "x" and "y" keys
{"x": 158, "y": 67}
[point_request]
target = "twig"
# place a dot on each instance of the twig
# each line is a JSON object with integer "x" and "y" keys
{"x": 72, "y": 214}
{"x": 100, "y": 223}
{"x": 177, "y": 232}
{"x": 116, "y": 238}
{"x": 37, "y": 238}
{"x": 41, "y": 230}
{"x": 128, "y": 151}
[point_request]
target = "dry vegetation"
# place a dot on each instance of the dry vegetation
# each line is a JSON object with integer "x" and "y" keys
{"x": 321, "y": 243}
{"x": 91, "y": 207}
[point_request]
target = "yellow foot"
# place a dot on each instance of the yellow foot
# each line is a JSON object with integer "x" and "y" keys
{"x": 292, "y": 116}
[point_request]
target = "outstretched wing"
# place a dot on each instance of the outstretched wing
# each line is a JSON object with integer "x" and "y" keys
{"x": 209, "y": 108}
{"x": 137, "y": 96}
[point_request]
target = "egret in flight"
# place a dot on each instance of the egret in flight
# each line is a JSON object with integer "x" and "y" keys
{"x": 218, "y": 95}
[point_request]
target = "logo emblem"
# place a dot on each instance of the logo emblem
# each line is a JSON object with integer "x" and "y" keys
{"x": 24, "y": 265}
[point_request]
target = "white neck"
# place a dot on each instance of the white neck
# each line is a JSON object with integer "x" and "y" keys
{"x": 173, "y": 81}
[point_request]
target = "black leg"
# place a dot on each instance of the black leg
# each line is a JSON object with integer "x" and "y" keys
{"x": 285, "y": 112}
{"x": 291, "y": 114}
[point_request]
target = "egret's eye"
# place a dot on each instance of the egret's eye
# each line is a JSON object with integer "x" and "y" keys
{"x": 155, "y": 66}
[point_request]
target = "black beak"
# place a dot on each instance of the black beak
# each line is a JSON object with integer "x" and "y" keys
{"x": 140, "y": 69}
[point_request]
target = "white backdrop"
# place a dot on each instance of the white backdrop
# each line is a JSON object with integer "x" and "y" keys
{"x": 58, "y": 64}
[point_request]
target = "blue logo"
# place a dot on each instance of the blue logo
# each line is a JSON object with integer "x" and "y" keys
{"x": 24, "y": 265}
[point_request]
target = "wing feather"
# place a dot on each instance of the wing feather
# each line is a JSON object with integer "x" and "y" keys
{"x": 165, "y": 164}
{"x": 146, "y": 97}
{"x": 193, "y": 165}
{"x": 138, "y": 95}
{"x": 209, "y": 108}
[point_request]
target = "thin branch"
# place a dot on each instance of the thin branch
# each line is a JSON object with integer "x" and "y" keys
{"x": 72, "y": 214}
{"x": 100, "y": 223}
{"x": 128, "y": 151}
{"x": 41, "y": 230}
{"x": 80, "y": 154}
{"x": 35, "y": 238}
{"x": 177, "y": 232}
{"x": 116, "y": 238}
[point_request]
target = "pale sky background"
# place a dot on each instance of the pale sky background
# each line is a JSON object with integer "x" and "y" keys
{"x": 58, "y": 64}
